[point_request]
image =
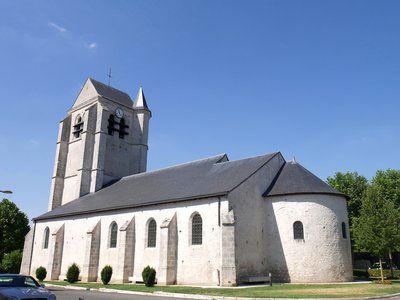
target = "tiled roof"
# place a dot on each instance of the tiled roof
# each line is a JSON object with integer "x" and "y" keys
{"x": 293, "y": 178}
{"x": 208, "y": 177}
{"x": 112, "y": 93}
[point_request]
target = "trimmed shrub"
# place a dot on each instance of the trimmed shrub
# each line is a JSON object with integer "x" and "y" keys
{"x": 12, "y": 262}
{"x": 41, "y": 273}
{"x": 106, "y": 274}
{"x": 149, "y": 276}
{"x": 73, "y": 273}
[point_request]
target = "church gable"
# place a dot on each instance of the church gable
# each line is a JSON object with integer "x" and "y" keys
{"x": 87, "y": 93}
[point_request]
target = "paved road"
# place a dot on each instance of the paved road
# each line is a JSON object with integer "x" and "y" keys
{"x": 64, "y": 294}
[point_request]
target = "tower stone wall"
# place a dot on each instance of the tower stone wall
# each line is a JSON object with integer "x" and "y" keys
{"x": 103, "y": 138}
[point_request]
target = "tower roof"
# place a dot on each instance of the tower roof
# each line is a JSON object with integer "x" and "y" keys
{"x": 93, "y": 88}
{"x": 111, "y": 93}
{"x": 140, "y": 101}
{"x": 293, "y": 179}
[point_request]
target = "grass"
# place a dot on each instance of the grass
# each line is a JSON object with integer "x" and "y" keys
{"x": 276, "y": 291}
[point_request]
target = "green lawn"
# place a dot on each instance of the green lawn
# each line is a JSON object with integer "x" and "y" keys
{"x": 276, "y": 291}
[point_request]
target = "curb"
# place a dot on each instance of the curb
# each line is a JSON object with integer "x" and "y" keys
{"x": 208, "y": 297}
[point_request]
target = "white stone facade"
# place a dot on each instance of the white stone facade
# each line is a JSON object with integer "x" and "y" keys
{"x": 324, "y": 254}
{"x": 196, "y": 263}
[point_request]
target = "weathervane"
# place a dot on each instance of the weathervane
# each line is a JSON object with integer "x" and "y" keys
{"x": 109, "y": 77}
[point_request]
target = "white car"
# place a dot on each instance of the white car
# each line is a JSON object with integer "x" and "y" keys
{"x": 19, "y": 287}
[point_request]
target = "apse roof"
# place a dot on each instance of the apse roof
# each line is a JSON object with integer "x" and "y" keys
{"x": 213, "y": 176}
{"x": 293, "y": 178}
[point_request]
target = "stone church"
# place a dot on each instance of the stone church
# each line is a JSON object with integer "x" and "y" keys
{"x": 210, "y": 222}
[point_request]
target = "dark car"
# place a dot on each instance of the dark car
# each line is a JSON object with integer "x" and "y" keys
{"x": 18, "y": 287}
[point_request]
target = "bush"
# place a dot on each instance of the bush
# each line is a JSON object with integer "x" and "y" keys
{"x": 73, "y": 273}
{"x": 149, "y": 276}
{"x": 360, "y": 273}
{"x": 106, "y": 274}
{"x": 12, "y": 262}
{"x": 386, "y": 273}
{"x": 41, "y": 273}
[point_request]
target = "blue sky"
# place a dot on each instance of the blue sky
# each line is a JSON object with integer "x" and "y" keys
{"x": 318, "y": 80}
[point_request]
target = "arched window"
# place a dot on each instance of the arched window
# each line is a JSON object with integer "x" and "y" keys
{"x": 111, "y": 124}
{"x": 197, "y": 230}
{"x": 298, "y": 232}
{"x": 78, "y": 126}
{"x": 344, "y": 233}
{"x": 113, "y": 235}
{"x": 151, "y": 234}
{"x": 46, "y": 238}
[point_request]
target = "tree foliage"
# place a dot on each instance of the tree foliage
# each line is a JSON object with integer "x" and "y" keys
{"x": 388, "y": 184}
{"x": 12, "y": 262}
{"x": 14, "y": 225}
{"x": 353, "y": 185}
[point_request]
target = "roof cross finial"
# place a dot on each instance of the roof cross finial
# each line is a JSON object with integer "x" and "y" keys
{"x": 109, "y": 77}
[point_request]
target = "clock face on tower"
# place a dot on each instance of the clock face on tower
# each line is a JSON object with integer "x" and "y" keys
{"x": 119, "y": 112}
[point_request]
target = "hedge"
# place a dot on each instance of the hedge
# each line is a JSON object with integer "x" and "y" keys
{"x": 386, "y": 273}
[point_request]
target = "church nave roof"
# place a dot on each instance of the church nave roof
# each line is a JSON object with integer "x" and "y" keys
{"x": 209, "y": 177}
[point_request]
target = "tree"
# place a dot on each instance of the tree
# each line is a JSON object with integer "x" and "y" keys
{"x": 376, "y": 230}
{"x": 353, "y": 185}
{"x": 388, "y": 184}
{"x": 14, "y": 225}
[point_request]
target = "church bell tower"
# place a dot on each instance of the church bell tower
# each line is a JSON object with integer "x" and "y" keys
{"x": 103, "y": 138}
